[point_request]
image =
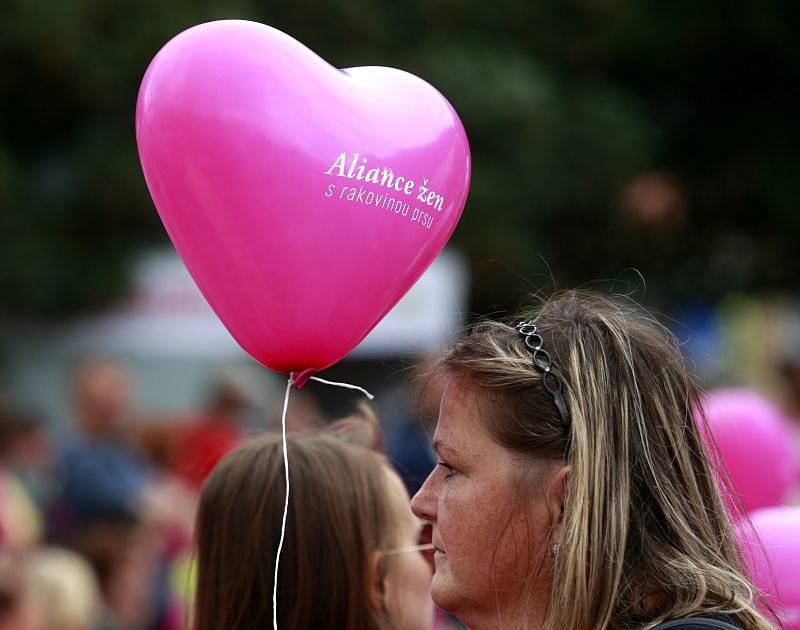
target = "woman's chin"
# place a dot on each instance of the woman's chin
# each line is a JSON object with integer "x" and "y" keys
{"x": 443, "y": 593}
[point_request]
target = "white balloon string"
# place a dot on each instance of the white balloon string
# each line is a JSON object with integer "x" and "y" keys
{"x": 346, "y": 385}
{"x": 285, "y": 506}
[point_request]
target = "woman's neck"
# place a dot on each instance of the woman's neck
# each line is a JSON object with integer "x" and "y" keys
{"x": 527, "y": 615}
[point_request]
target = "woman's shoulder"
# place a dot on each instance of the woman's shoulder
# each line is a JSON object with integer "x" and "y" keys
{"x": 701, "y": 623}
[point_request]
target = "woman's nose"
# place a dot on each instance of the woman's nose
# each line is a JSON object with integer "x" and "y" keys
{"x": 423, "y": 504}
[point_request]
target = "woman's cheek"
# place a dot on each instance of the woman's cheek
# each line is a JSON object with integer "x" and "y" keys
{"x": 453, "y": 518}
{"x": 448, "y": 502}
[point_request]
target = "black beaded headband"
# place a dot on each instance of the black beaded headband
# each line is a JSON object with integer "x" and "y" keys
{"x": 543, "y": 362}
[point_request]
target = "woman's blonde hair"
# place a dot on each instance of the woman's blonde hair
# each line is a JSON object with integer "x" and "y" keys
{"x": 645, "y": 536}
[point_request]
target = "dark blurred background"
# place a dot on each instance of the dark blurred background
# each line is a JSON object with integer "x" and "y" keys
{"x": 645, "y": 148}
{"x": 606, "y": 135}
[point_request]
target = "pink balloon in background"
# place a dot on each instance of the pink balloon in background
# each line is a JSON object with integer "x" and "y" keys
{"x": 303, "y": 199}
{"x": 755, "y": 445}
{"x": 775, "y": 566}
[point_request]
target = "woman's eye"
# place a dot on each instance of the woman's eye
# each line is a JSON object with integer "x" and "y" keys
{"x": 449, "y": 470}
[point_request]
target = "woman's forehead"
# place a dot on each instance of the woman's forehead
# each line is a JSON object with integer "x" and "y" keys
{"x": 460, "y": 426}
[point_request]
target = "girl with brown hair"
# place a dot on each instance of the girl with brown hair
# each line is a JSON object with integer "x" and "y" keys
{"x": 572, "y": 490}
{"x": 351, "y": 557}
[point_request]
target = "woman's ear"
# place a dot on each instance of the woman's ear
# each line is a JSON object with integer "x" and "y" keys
{"x": 375, "y": 575}
{"x": 556, "y": 495}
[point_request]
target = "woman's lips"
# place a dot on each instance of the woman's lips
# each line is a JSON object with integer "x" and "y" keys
{"x": 437, "y": 546}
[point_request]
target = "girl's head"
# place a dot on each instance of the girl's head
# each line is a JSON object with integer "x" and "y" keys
{"x": 606, "y": 518}
{"x": 342, "y": 563}
{"x": 48, "y": 589}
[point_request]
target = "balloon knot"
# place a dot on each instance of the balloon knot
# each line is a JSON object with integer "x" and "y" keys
{"x": 301, "y": 378}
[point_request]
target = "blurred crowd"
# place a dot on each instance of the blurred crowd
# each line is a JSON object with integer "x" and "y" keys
{"x": 97, "y": 510}
{"x": 96, "y": 517}
{"x": 97, "y": 520}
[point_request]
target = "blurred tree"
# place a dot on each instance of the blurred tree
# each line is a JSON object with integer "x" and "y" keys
{"x": 606, "y": 134}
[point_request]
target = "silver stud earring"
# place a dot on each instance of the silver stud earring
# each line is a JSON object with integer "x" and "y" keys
{"x": 555, "y": 549}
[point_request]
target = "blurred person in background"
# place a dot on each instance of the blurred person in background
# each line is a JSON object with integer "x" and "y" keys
{"x": 102, "y": 475}
{"x": 114, "y": 506}
{"x": 572, "y": 489}
{"x": 208, "y": 436}
{"x": 49, "y": 589}
{"x": 408, "y": 441}
{"x": 351, "y": 558}
{"x": 21, "y": 456}
{"x": 132, "y": 576}
{"x": 191, "y": 444}
{"x": 16, "y": 609}
{"x": 25, "y": 451}
{"x": 64, "y": 591}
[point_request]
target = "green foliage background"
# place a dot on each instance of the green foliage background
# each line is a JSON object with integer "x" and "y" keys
{"x": 566, "y": 102}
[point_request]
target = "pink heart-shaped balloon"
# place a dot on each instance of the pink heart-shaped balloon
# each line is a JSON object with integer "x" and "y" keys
{"x": 303, "y": 199}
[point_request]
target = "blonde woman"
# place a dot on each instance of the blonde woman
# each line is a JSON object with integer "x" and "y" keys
{"x": 572, "y": 490}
